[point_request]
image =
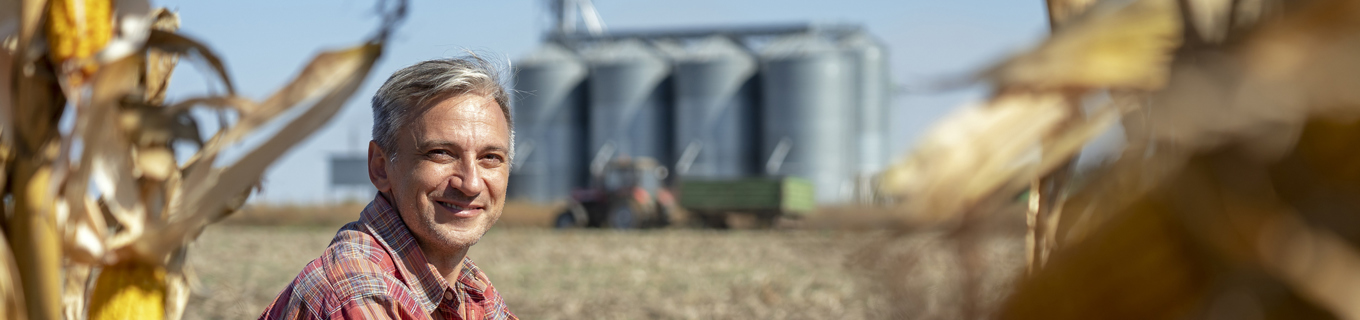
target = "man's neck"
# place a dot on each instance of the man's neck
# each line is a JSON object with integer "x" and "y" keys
{"x": 449, "y": 264}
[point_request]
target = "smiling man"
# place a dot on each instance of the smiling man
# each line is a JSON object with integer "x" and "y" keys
{"x": 440, "y": 159}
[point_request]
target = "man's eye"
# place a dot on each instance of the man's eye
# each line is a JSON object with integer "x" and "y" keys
{"x": 439, "y": 155}
{"x": 492, "y": 159}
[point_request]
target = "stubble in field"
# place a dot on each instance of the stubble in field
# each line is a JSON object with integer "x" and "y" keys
{"x": 658, "y": 274}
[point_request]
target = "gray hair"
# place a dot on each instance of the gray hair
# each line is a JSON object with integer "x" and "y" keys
{"x": 412, "y": 90}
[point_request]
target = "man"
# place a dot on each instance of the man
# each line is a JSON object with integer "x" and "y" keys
{"x": 440, "y": 159}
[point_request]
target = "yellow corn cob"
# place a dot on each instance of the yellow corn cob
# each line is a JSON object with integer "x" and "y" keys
{"x": 77, "y": 29}
{"x": 129, "y": 290}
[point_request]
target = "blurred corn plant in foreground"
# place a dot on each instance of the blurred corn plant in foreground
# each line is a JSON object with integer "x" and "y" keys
{"x": 98, "y": 214}
{"x": 1237, "y": 191}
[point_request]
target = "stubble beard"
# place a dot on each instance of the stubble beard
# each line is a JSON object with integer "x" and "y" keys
{"x": 443, "y": 238}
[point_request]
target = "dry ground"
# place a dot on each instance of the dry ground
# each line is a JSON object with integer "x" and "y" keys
{"x": 808, "y": 271}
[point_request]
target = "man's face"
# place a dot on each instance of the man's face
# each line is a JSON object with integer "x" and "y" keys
{"x": 448, "y": 179}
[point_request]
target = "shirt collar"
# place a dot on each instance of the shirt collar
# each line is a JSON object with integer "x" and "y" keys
{"x": 387, "y": 226}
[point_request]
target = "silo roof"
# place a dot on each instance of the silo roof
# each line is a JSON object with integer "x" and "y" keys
{"x": 714, "y": 48}
{"x": 860, "y": 39}
{"x": 549, "y": 53}
{"x": 798, "y": 46}
{"x": 621, "y": 51}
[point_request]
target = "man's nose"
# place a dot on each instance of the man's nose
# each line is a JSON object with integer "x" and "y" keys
{"x": 467, "y": 177}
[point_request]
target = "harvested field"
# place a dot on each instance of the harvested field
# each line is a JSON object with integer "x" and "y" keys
{"x": 658, "y": 274}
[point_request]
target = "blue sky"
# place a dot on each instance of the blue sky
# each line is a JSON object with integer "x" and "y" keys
{"x": 266, "y": 42}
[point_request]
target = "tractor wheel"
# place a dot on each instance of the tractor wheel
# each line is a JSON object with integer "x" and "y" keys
{"x": 573, "y": 216}
{"x": 565, "y": 220}
{"x": 623, "y": 217}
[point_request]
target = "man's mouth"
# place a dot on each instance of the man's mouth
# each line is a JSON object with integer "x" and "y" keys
{"x": 460, "y": 209}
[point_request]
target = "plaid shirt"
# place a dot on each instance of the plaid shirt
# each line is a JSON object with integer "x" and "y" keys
{"x": 373, "y": 269}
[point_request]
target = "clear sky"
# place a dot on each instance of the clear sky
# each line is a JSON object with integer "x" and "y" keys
{"x": 265, "y": 42}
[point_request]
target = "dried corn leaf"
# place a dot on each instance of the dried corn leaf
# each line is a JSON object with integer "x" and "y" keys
{"x": 85, "y": 231}
{"x": 107, "y": 153}
{"x": 73, "y": 294}
{"x": 1264, "y": 90}
{"x": 1260, "y": 165}
{"x": 1114, "y": 45}
{"x": 178, "y": 275}
{"x": 1319, "y": 264}
{"x": 1172, "y": 252}
{"x": 218, "y": 102}
{"x": 1209, "y": 19}
{"x": 224, "y": 189}
{"x": 1307, "y": 59}
{"x": 325, "y": 72}
{"x": 159, "y": 64}
{"x": 38, "y": 102}
{"x": 173, "y": 43}
{"x": 989, "y": 150}
{"x": 30, "y": 23}
{"x": 156, "y": 163}
{"x": 1140, "y": 267}
{"x": 134, "y": 20}
{"x": 1062, "y": 11}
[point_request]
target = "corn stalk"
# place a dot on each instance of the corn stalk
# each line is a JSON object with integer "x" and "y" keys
{"x": 1233, "y": 195}
{"x": 108, "y": 64}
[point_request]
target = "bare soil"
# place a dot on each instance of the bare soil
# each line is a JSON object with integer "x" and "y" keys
{"x": 672, "y": 273}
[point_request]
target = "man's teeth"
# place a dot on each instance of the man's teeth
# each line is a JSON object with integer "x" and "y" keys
{"x": 452, "y": 206}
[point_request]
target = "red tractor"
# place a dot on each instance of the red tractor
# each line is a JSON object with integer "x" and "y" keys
{"x": 625, "y": 194}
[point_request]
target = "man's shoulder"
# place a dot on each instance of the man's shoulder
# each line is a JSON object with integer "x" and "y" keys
{"x": 355, "y": 263}
{"x": 354, "y": 267}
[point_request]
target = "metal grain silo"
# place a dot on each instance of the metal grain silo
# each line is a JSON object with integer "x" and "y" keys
{"x": 806, "y": 114}
{"x": 629, "y": 105}
{"x": 715, "y": 110}
{"x": 870, "y": 93}
{"x": 549, "y": 112}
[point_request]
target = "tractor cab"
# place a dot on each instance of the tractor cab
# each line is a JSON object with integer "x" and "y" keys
{"x": 626, "y": 193}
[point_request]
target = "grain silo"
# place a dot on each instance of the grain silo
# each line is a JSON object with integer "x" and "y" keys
{"x": 870, "y": 93}
{"x": 550, "y": 126}
{"x": 806, "y": 114}
{"x": 715, "y": 98}
{"x": 629, "y": 105}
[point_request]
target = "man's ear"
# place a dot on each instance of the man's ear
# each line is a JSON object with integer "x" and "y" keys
{"x": 377, "y": 167}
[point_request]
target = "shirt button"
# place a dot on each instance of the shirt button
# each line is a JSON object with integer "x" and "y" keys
{"x": 448, "y": 295}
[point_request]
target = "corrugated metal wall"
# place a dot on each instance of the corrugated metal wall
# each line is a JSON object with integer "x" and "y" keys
{"x": 807, "y": 114}
{"x": 715, "y": 110}
{"x": 629, "y": 105}
{"x": 810, "y": 104}
{"x": 550, "y": 125}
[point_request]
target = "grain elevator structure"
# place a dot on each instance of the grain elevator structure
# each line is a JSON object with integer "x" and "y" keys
{"x": 804, "y": 100}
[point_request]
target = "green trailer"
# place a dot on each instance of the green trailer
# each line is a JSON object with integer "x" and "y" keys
{"x": 766, "y": 198}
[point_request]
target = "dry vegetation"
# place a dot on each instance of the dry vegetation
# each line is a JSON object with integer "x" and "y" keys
{"x": 665, "y": 274}
{"x": 517, "y": 214}
{"x": 1234, "y": 195}
{"x": 845, "y": 262}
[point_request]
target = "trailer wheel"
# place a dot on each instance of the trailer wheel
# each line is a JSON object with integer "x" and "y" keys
{"x": 712, "y": 219}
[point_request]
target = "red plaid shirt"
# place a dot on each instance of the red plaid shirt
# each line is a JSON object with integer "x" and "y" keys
{"x": 373, "y": 269}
